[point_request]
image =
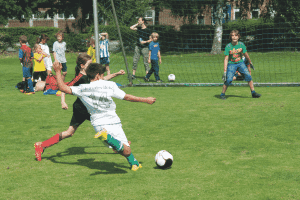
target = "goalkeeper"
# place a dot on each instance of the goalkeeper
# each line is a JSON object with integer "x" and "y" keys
{"x": 233, "y": 62}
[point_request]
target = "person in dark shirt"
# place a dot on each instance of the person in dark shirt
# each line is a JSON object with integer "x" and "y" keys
{"x": 141, "y": 46}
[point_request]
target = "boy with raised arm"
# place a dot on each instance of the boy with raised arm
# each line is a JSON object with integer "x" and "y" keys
{"x": 97, "y": 97}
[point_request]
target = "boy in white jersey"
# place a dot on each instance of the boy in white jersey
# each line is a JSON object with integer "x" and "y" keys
{"x": 97, "y": 97}
{"x": 59, "y": 49}
{"x": 104, "y": 54}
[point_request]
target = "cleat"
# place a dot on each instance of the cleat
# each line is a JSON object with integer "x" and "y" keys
{"x": 256, "y": 95}
{"x": 159, "y": 81}
{"x": 135, "y": 167}
{"x": 222, "y": 97}
{"x": 38, "y": 151}
{"x": 146, "y": 79}
{"x": 102, "y": 135}
{"x": 22, "y": 91}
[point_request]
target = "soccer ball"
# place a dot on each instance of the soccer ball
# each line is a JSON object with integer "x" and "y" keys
{"x": 171, "y": 77}
{"x": 163, "y": 159}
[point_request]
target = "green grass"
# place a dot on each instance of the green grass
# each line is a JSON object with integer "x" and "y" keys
{"x": 240, "y": 148}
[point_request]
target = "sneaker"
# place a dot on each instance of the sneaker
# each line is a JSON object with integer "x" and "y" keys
{"x": 29, "y": 93}
{"x": 159, "y": 81}
{"x": 136, "y": 167}
{"x": 38, "y": 151}
{"x": 133, "y": 77}
{"x": 256, "y": 95}
{"x": 146, "y": 79}
{"x": 58, "y": 93}
{"x": 222, "y": 97}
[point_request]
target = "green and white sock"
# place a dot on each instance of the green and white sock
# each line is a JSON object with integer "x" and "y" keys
{"x": 132, "y": 161}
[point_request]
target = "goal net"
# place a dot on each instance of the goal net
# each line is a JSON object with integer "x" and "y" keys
{"x": 186, "y": 42}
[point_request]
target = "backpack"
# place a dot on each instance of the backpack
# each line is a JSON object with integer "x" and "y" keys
{"x": 27, "y": 60}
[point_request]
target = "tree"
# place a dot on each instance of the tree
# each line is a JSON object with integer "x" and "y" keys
{"x": 217, "y": 42}
{"x": 21, "y": 10}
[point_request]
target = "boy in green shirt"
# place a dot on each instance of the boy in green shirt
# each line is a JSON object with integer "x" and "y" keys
{"x": 233, "y": 62}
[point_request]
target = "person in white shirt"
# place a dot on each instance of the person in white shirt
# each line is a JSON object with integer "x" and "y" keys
{"x": 42, "y": 40}
{"x": 97, "y": 97}
{"x": 59, "y": 52}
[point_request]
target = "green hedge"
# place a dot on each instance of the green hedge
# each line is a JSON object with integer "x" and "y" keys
{"x": 258, "y": 35}
{"x": 10, "y": 36}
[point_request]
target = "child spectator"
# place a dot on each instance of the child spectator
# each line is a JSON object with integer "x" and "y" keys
{"x": 59, "y": 52}
{"x": 39, "y": 64}
{"x": 233, "y": 62}
{"x": 25, "y": 57}
{"x": 91, "y": 50}
{"x": 104, "y": 54}
{"x": 154, "y": 57}
{"x": 42, "y": 40}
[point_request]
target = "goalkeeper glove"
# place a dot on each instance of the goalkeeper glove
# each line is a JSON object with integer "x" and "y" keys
{"x": 252, "y": 66}
{"x": 224, "y": 76}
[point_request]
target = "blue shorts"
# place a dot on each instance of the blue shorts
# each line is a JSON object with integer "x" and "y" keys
{"x": 64, "y": 67}
{"x": 104, "y": 61}
{"x": 26, "y": 72}
{"x": 240, "y": 67}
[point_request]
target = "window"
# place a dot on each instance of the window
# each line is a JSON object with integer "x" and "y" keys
{"x": 150, "y": 16}
{"x": 200, "y": 20}
{"x": 237, "y": 14}
{"x": 71, "y": 16}
{"x": 255, "y": 13}
{"x": 61, "y": 16}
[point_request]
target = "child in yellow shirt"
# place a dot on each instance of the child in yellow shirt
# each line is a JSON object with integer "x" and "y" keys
{"x": 91, "y": 50}
{"x": 39, "y": 64}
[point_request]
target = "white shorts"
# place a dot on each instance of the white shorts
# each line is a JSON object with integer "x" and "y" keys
{"x": 114, "y": 130}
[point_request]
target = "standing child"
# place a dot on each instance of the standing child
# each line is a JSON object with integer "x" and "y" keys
{"x": 233, "y": 62}
{"x": 59, "y": 52}
{"x": 97, "y": 98}
{"x": 25, "y": 57}
{"x": 91, "y": 50}
{"x": 42, "y": 40}
{"x": 39, "y": 64}
{"x": 104, "y": 54}
{"x": 154, "y": 57}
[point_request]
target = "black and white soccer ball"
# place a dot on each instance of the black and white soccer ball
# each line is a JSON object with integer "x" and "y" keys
{"x": 171, "y": 77}
{"x": 163, "y": 159}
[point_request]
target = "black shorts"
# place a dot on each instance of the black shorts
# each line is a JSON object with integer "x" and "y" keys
{"x": 42, "y": 74}
{"x": 80, "y": 114}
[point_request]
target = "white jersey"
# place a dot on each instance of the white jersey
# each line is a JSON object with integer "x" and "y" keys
{"x": 48, "y": 61}
{"x": 60, "y": 48}
{"x": 97, "y": 98}
{"x": 104, "y": 48}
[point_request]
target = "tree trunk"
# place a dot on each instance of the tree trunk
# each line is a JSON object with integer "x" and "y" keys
{"x": 217, "y": 42}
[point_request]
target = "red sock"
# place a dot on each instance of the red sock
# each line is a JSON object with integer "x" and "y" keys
{"x": 51, "y": 141}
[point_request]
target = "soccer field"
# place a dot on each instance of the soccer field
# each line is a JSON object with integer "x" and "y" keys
{"x": 240, "y": 148}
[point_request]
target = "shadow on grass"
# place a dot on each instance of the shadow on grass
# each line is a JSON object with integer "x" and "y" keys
{"x": 104, "y": 167}
{"x": 230, "y": 96}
